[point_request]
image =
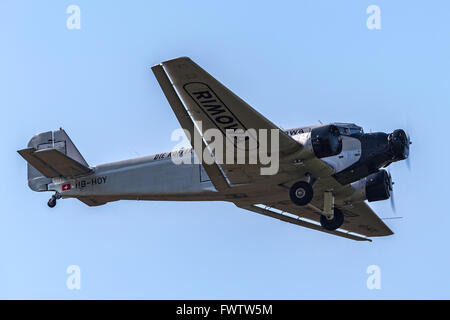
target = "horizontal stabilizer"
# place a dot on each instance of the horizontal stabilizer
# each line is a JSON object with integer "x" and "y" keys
{"x": 52, "y": 163}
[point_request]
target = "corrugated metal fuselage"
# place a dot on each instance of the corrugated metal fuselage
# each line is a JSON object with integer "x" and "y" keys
{"x": 154, "y": 177}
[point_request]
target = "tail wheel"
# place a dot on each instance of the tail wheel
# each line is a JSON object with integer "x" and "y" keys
{"x": 301, "y": 193}
{"x": 332, "y": 224}
{"x": 52, "y": 202}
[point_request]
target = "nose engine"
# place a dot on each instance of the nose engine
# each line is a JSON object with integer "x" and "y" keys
{"x": 379, "y": 150}
{"x": 399, "y": 144}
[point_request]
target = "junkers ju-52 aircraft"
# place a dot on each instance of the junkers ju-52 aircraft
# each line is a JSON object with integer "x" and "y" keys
{"x": 326, "y": 172}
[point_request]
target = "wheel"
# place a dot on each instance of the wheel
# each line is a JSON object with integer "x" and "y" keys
{"x": 335, "y": 223}
{"x": 301, "y": 193}
{"x": 51, "y": 202}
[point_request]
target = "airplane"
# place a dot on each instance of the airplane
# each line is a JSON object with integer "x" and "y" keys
{"x": 325, "y": 173}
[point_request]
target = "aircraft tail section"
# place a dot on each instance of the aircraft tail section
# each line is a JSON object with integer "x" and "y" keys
{"x": 52, "y": 154}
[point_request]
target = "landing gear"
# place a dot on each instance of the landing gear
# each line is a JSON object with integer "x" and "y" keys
{"x": 301, "y": 193}
{"x": 52, "y": 201}
{"x": 332, "y": 223}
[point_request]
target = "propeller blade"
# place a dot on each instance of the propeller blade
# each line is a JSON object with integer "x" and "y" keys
{"x": 408, "y": 160}
{"x": 392, "y": 201}
{"x": 391, "y": 189}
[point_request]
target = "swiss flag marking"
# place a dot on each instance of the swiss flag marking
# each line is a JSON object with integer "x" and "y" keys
{"x": 66, "y": 187}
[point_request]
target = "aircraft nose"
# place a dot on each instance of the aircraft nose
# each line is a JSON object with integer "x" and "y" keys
{"x": 399, "y": 144}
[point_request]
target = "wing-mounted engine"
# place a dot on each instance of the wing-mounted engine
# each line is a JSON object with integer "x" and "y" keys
{"x": 318, "y": 141}
{"x": 378, "y": 186}
{"x": 326, "y": 141}
{"x": 375, "y": 187}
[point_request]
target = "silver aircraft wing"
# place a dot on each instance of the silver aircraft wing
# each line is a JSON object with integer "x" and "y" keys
{"x": 195, "y": 96}
{"x": 281, "y": 215}
{"x": 360, "y": 221}
{"x": 186, "y": 123}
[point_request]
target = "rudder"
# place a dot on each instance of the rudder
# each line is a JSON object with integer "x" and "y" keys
{"x": 58, "y": 140}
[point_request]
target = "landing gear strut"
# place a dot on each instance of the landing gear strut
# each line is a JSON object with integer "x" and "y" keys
{"x": 52, "y": 201}
{"x": 301, "y": 193}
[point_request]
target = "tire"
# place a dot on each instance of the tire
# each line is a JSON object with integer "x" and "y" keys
{"x": 51, "y": 203}
{"x": 301, "y": 193}
{"x": 335, "y": 223}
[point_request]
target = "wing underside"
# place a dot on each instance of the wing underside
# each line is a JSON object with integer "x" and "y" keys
{"x": 360, "y": 221}
{"x": 281, "y": 215}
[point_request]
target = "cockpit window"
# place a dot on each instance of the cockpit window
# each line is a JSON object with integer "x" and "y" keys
{"x": 350, "y": 129}
{"x": 356, "y": 130}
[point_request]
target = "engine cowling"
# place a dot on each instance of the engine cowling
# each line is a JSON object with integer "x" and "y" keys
{"x": 378, "y": 186}
{"x": 326, "y": 141}
{"x": 399, "y": 144}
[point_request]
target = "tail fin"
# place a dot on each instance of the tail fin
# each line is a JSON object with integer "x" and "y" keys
{"x": 51, "y": 154}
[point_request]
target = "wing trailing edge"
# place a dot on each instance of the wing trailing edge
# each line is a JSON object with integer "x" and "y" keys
{"x": 303, "y": 223}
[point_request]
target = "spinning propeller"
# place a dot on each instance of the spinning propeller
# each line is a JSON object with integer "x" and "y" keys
{"x": 408, "y": 160}
{"x": 391, "y": 190}
{"x": 400, "y": 142}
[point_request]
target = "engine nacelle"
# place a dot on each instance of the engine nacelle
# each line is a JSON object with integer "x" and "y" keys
{"x": 326, "y": 141}
{"x": 375, "y": 187}
{"x": 378, "y": 186}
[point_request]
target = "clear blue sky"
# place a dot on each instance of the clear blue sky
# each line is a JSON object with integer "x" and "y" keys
{"x": 296, "y": 62}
